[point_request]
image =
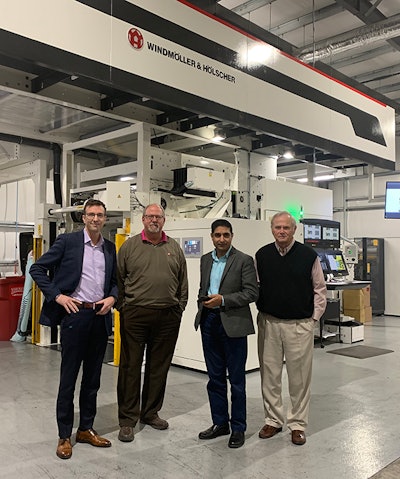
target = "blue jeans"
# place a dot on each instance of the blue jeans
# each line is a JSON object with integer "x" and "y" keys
{"x": 224, "y": 355}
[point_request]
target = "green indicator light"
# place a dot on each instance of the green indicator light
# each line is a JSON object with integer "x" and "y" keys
{"x": 295, "y": 211}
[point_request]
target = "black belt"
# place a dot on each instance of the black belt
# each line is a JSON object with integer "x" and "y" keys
{"x": 94, "y": 306}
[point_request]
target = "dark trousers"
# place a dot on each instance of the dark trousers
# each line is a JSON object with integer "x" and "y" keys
{"x": 157, "y": 331}
{"x": 224, "y": 354}
{"x": 83, "y": 342}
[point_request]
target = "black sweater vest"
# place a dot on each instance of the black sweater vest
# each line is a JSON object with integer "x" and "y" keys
{"x": 286, "y": 289}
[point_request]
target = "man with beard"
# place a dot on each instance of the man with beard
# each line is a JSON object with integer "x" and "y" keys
{"x": 153, "y": 292}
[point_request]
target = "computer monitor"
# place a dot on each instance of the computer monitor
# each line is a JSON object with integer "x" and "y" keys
{"x": 392, "y": 200}
{"x": 324, "y": 262}
{"x": 331, "y": 234}
{"x": 336, "y": 262}
{"x": 321, "y": 233}
{"x": 312, "y": 234}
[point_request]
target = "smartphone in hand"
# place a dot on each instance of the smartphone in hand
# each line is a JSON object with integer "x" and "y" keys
{"x": 204, "y": 298}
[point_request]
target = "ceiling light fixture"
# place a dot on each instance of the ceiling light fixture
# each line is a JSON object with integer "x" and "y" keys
{"x": 317, "y": 178}
{"x": 288, "y": 155}
{"x": 219, "y": 135}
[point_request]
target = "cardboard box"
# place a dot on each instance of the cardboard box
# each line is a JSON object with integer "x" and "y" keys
{"x": 361, "y": 315}
{"x": 356, "y": 298}
{"x": 351, "y": 333}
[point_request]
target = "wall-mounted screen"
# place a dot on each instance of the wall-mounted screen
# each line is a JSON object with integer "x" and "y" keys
{"x": 392, "y": 200}
{"x": 192, "y": 247}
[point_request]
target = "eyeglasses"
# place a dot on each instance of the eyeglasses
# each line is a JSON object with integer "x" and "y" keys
{"x": 155, "y": 217}
{"x": 100, "y": 216}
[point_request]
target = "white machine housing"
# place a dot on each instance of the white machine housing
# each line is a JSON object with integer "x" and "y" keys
{"x": 249, "y": 236}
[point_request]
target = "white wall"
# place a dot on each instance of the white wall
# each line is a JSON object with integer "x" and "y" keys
{"x": 17, "y": 205}
{"x": 371, "y": 223}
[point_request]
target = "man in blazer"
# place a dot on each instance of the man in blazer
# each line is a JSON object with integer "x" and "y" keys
{"x": 77, "y": 276}
{"x": 228, "y": 284}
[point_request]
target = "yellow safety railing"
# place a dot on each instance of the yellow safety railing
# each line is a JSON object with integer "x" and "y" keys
{"x": 119, "y": 240}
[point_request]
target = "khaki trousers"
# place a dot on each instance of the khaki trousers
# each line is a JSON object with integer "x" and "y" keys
{"x": 291, "y": 340}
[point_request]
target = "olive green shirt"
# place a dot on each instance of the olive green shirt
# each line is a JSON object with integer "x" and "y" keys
{"x": 152, "y": 276}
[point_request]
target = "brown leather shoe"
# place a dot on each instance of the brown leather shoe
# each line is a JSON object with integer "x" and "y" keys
{"x": 156, "y": 422}
{"x": 64, "y": 448}
{"x": 90, "y": 436}
{"x": 268, "y": 431}
{"x": 298, "y": 437}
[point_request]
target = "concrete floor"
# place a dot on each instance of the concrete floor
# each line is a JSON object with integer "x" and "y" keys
{"x": 354, "y": 423}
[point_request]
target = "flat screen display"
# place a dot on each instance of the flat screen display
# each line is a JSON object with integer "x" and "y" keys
{"x": 324, "y": 262}
{"x": 192, "y": 247}
{"x": 392, "y": 200}
{"x": 330, "y": 233}
{"x": 321, "y": 233}
{"x": 336, "y": 263}
{"x": 312, "y": 233}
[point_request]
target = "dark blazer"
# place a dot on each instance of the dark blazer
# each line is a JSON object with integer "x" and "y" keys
{"x": 64, "y": 263}
{"x": 238, "y": 287}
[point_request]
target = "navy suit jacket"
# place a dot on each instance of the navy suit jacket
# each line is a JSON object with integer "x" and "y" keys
{"x": 64, "y": 263}
{"x": 238, "y": 287}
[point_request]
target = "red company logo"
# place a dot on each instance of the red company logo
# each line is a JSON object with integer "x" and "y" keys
{"x": 135, "y": 38}
{"x": 17, "y": 291}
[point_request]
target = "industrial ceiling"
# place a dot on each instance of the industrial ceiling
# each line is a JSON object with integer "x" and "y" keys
{"x": 355, "y": 41}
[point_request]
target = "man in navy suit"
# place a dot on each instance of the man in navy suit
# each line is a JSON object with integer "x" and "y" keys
{"x": 78, "y": 279}
{"x": 228, "y": 284}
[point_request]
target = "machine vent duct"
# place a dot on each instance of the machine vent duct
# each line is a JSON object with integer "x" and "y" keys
{"x": 383, "y": 30}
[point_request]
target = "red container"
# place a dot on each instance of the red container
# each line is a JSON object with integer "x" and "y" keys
{"x": 11, "y": 290}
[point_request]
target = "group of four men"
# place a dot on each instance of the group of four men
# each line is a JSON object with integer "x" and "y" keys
{"x": 82, "y": 278}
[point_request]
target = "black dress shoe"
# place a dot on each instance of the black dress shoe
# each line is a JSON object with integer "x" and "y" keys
{"x": 215, "y": 431}
{"x": 236, "y": 440}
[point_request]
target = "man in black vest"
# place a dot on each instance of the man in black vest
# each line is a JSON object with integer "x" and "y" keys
{"x": 292, "y": 297}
